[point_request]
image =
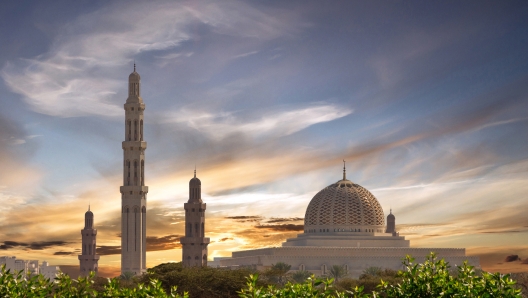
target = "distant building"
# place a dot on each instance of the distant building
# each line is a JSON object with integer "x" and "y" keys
{"x": 49, "y": 271}
{"x": 344, "y": 225}
{"x": 194, "y": 244}
{"x": 88, "y": 260}
{"x": 29, "y": 267}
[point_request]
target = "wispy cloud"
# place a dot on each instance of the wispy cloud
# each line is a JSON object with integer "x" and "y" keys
{"x": 277, "y": 123}
{"x": 82, "y": 71}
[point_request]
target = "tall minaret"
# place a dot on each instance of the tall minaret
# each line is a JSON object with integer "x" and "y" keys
{"x": 194, "y": 244}
{"x": 133, "y": 191}
{"x": 88, "y": 259}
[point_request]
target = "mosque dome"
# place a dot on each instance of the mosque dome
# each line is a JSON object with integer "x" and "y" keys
{"x": 195, "y": 182}
{"x": 134, "y": 76}
{"x": 344, "y": 206}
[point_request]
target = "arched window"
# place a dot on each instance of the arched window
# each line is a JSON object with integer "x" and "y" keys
{"x": 128, "y": 169}
{"x": 135, "y": 172}
{"x": 136, "y": 231}
{"x": 202, "y": 229}
{"x": 196, "y": 229}
{"x": 94, "y": 249}
{"x": 142, "y": 173}
{"x": 127, "y": 213}
{"x": 129, "y": 130}
{"x": 141, "y": 130}
{"x": 190, "y": 230}
{"x": 135, "y": 130}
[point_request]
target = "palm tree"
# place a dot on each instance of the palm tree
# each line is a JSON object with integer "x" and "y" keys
{"x": 127, "y": 275}
{"x": 337, "y": 272}
{"x": 371, "y": 272}
{"x": 300, "y": 276}
{"x": 280, "y": 270}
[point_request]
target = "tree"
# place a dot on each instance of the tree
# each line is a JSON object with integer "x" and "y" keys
{"x": 433, "y": 279}
{"x": 337, "y": 271}
{"x": 199, "y": 281}
{"x": 18, "y": 285}
{"x": 429, "y": 279}
{"x": 278, "y": 271}
{"x": 371, "y": 272}
{"x": 301, "y": 276}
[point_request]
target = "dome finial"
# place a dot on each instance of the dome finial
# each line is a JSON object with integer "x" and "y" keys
{"x": 88, "y": 206}
{"x": 194, "y": 171}
{"x": 344, "y": 169}
{"x": 134, "y": 65}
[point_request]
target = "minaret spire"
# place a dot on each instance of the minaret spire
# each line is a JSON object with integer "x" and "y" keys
{"x": 344, "y": 169}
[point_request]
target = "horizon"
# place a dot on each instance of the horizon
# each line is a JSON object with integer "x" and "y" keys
{"x": 425, "y": 101}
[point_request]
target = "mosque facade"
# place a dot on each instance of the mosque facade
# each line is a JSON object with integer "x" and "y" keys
{"x": 344, "y": 225}
{"x": 134, "y": 192}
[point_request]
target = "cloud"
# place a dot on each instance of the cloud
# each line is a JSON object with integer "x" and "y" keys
{"x": 82, "y": 71}
{"x": 276, "y": 123}
{"x": 65, "y": 253}
{"x": 163, "y": 243}
{"x": 245, "y": 218}
{"x": 284, "y": 227}
{"x": 105, "y": 250}
{"x": 225, "y": 239}
{"x": 245, "y": 54}
{"x": 277, "y": 220}
{"x": 40, "y": 245}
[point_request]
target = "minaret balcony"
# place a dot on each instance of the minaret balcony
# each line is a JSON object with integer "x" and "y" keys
{"x": 88, "y": 257}
{"x": 134, "y": 144}
{"x": 194, "y": 240}
{"x": 135, "y": 105}
{"x": 134, "y": 189}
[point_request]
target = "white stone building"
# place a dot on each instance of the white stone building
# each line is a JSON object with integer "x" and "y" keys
{"x": 194, "y": 244}
{"x": 134, "y": 192}
{"x": 49, "y": 271}
{"x": 88, "y": 260}
{"x": 344, "y": 225}
{"x": 29, "y": 267}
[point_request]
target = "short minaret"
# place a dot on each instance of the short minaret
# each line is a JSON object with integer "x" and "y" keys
{"x": 88, "y": 259}
{"x": 134, "y": 192}
{"x": 194, "y": 244}
{"x": 391, "y": 223}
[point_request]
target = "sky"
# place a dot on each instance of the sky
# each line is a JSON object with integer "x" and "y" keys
{"x": 426, "y": 101}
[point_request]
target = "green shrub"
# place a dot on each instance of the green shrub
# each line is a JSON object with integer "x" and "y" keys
{"x": 17, "y": 285}
{"x": 433, "y": 278}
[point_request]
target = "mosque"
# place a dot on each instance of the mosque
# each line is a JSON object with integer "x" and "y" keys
{"x": 344, "y": 225}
